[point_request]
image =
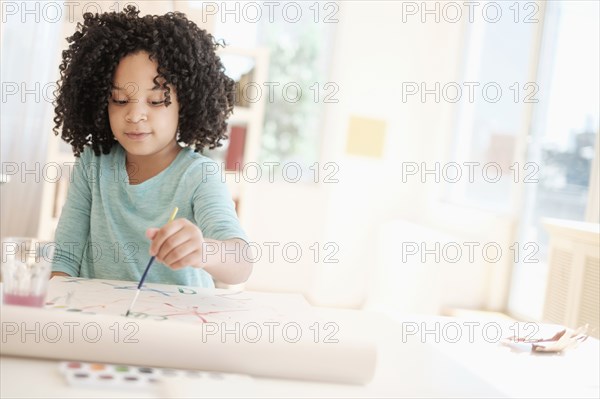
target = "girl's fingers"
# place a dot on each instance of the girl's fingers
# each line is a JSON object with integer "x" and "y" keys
{"x": 190, "y": 260}
{"x": 180, "y": 256}
{"x": 172, "y": 244}
{"x": 151, "y": 232}
{"x": 164, "y": 233}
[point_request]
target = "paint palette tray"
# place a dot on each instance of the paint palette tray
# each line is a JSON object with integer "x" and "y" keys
{"x": 108, "y": 375}
{"x": 100, "y": 375}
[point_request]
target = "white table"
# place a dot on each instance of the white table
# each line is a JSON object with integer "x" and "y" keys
{"x": 417, "y": 367}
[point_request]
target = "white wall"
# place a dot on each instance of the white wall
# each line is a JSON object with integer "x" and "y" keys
{"x": 374, "y": 52}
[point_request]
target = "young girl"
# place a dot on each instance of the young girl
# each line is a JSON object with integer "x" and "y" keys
{"x": 136, "y": 94}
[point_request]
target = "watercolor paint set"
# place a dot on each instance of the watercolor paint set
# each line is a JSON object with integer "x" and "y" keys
{"x": 127, "y": 377}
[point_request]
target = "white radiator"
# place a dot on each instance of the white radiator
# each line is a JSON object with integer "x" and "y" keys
{"x": 573, "y": 290}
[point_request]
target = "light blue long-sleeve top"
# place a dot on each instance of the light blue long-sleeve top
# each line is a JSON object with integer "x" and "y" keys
{"x": 101, "y": 231}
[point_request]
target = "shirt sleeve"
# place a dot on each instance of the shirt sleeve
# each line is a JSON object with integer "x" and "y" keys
{"x": 74, "y": 224}
{"x": 214, "y": 209}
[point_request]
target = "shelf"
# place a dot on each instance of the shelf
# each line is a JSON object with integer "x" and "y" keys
{"x": 240, "y": 115}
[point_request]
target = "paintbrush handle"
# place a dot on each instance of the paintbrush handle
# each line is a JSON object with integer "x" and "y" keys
{"x": 145, "y": 273}
{"x": 152, "y": 258}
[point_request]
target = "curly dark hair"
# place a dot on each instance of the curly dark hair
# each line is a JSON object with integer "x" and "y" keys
{"x": 186, "y": 57}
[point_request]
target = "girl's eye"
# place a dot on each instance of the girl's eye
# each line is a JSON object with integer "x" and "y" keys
{"x": 123, "y": 102}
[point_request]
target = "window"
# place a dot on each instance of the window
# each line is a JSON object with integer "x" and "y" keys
{"x": 297, "y": 85}
{"x": 496, "y": 93}
{"x": 497, "y": 62}
{"x": 563, "y": 136}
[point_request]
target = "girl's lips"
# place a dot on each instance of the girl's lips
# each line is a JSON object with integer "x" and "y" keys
{"x": 137, "y": 136}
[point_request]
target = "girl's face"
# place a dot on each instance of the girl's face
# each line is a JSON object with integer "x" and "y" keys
{"x": 138, "y": 117}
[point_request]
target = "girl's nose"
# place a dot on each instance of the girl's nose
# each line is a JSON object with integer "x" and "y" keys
{"x": 136, "y": 113}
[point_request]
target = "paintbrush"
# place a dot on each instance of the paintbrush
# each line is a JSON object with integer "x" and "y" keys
{"x": 137, "y": 293}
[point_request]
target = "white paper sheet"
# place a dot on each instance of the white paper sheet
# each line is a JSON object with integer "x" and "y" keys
{"x": 260, "y": 334}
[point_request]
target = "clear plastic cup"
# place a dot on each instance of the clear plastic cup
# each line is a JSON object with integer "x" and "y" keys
{"x": 25, "y": 269}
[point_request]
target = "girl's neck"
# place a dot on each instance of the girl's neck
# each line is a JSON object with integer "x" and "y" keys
{"x": 143, "y": 167}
